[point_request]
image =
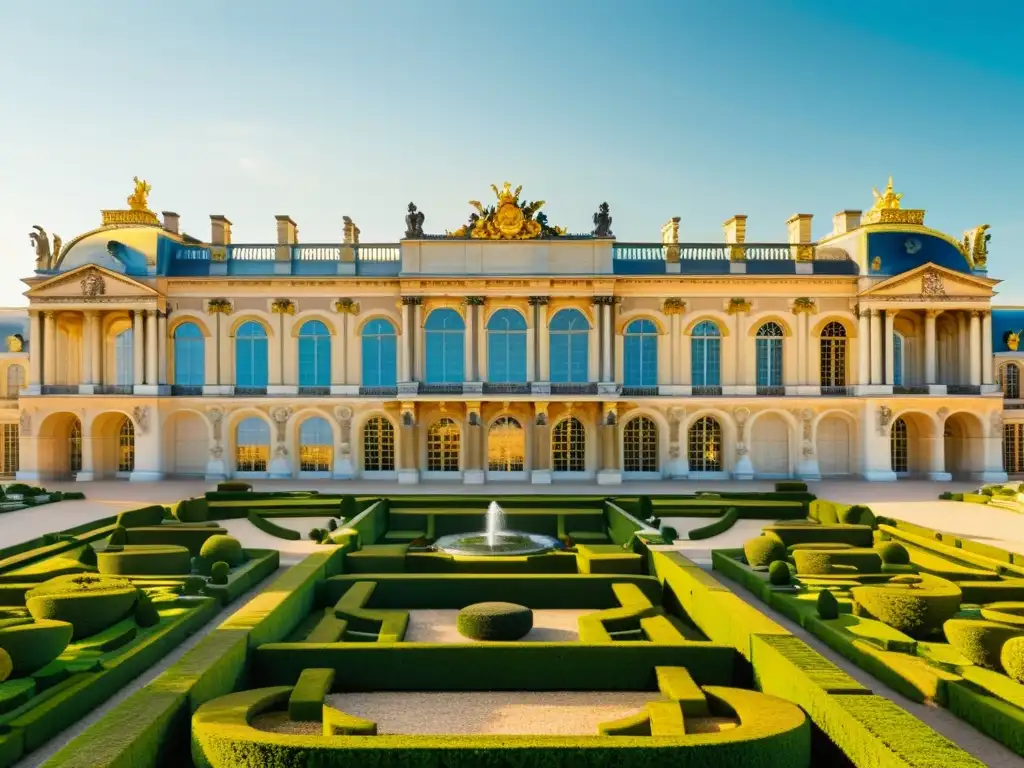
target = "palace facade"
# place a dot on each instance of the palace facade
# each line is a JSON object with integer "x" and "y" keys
{"x": 510, "y": 350}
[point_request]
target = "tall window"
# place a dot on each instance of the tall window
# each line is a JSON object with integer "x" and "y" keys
{"x": 640, "y": 445}
{"x": 126, "y": 446}
{"x": 446, "y": 362}
{"x": 705, "y": 445}
{"x": 570, "y": 334}
{"x": 75, "y": 446}
{"x": 833, "y": 355}
{"x": 443, "y": 445}
{"x": 506, "y": 446}
{"x": 899, "y": 446}
{"x": 769, "y": 355}
{"x": 380, "y": 354}
{"x": 1009, "y": 379}
{"x": 706, "y": 355}
{"x": 316, "y": 445}
{"x": 640, "y": 354}
{"x": 897, "y": 359}
{"x": 378, "y": 445}
{"x": 124, "y": 358}
{"x": 189, "y": 356}
{"x": 15, "y": 380}
{"x": 506, "y": 347}
{"x": 314, "y": 354}
{"x": 251, "y": 357}
{"x": 569, "y": 446}
{"x": 10, "y": 448}
{"x": 252, "y": 452}
{"x": 1013, "y": 447}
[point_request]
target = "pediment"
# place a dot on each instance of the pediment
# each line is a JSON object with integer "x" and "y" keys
{"x": 90, "y": 282}
{"x": 932, "y": 282}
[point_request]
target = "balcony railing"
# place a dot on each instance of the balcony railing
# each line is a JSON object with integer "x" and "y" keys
{"x": 773, "y": 391}
{"x": 314, "y": 391}
{"x": 639, "y": 391}
{"x": 59, "y": 389}
{"x": 440, "y": 389}
{"x": 901, "y": 390}
{"x": 573, "y": 389}
{"x": 963, "y": 389}
{"x": 706, "y": 391}
{"x": 834, "y": 391}
{"x": 505, "y": 388}
{"x": 378, "y": 391}
{"x": 250, "y": 391}
{"x": 267, "y": 259}
{"x": 186, "y": 390}
{"x": 714, "y": 258}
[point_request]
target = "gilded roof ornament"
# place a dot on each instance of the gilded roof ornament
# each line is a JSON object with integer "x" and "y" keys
{"x": 508, "y": 220}
{"x": 886, "y": 209}
{"x": 139, "y": 199}
{"x": 138, "y": 212}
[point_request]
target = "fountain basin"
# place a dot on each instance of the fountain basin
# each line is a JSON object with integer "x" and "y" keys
{"x": 496, "y": 544}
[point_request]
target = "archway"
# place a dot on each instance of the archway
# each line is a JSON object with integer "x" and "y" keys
{"x": 378, "y": 446}
{"x": 640, "y": 446}
{"x": 909, "y": 444}
{"x": 186, "y": 444}
{"x": 444, "y": 446}
{"x": 316, "y": 447}
{"x": 112, "y": 439}
{"x": 506, "y": 447}
{"x": 769, "y": 446}
{"x": 963, "y": 444}
{"x": 704, "y": 445}
{"x": 59, "y": 446}
{"x": 835, "y": 444}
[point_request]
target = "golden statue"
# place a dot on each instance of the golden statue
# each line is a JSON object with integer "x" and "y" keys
{"x": 508, "y": 220}
{"x": 15, "y": 343}
{"x": 1013, "y": 340}
{"x": 139, "y": 199}
{"x": 886, "y": 200}
{"x": 975, "y": 246}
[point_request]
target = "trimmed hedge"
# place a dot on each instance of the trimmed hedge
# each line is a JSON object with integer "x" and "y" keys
{"x": 723, "y": 524}
{"x": 919, "y": 609}
{"x": 854, "y": 535}
{"x": 221, "y": 547}
{"x": 191, "y": 537}
{"x": 1011, "y": 658}
{"x": 812, "y": 562}
{"x": 494, "y": 621}
{"x": 779, "y": 574}
{"x": 980, "y": 641}
{"x": 89, "y": 603}
{"x": 34, "y": 645}
{"x": 138, "y": 518}
{"x": 894, "y": 553}
{"x": 145, "y": 560}
{"x": 764, "y": 550}
{"x": 306, "y": 701}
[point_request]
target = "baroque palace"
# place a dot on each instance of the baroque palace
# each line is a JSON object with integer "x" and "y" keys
{"x": 509, "y": 350}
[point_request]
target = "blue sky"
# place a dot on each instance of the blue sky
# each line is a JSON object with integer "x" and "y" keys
{"x": 324, "y": 109}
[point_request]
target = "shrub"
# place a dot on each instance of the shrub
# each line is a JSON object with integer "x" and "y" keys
{"x": 332, "y": 524}
{"x": 118, "y": 537}
{"x": 1011, "y": 658}
{"x": 945, "y": 496}
{"x": 828, "y": 606}
{"x": 1005, "y": 613}
{"x": 858, "y": 514}
{"x": 87, "y": 556}
{"x": 219, "y": 572}
{"x": 917, "y": 609}
{"x": 668, "y": 534}
{"x": 826, "y": 561}
{"x": 89, "y": 603}
{"x": 894, "y": 553}
{"x": 791, "y": 485}
{"x": 222, "y": 547}
{"x": 73, "y": 495}
{"x": 193, "y": 585}
{"x": 494, "y": 621}
{"x": 234, "y": 485}
{"x": 980, "y": 641}
{"x": 32, "y": 646}
{"x": 317, "y": 535}
{"x": 987, "y": 491}
{"x": 145, "y": 560}
{"x": 146, "y": 614}
{"x": 646, "y": 508}
{"x": 778, "y": 573}
{"x": 763, "y": 550}
{"x": 6, "y": 665}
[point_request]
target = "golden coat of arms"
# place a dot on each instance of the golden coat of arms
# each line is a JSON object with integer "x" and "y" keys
{"x": 508, "y": 220}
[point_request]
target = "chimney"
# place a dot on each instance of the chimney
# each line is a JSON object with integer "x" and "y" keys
{"x": 736, "y": 229}
{"x": 799, "y": 225}
{"x": 287, "y": 230}
{"x": 171, "y": 221}
{"x": 845, "y": 221}
{"x": 220, "y": 230}
{"x": 351, "y": 231}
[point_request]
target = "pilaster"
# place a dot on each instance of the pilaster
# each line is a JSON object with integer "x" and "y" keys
{"x": 473, "y": 474}
{"x": 609, "y": 474}
{"x": 541, "y": 474}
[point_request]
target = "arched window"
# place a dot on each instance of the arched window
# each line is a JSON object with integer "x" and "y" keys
{"x": 769, "y": 355}
{"x": 833, "y": 355}
{"x": 445, "y": 348}
{"x": 506, "y": 347}
{"x": 15, "y": 380}
{"x": 444, "y": 442}
{"x": 75, "y": 446}
{"x": 705, "y": 445}
{"x": 11, "y": 448}
{"x": 569, "y": 331}
{"x": 316, "y": 445}
{"x": 1009, "y": 379}
{"x": 640, "y": 445}
{"x": 378, "y": 445}
{"x": 897, "y": 359}
{"x": 126, "y": 446}
{"x": 899, "y": 446}
{"x": 314, "y": 354}
{"x": 640, "y": 354}
{"x": 124, "y": 356}
{"x": 506, "y": 446}
{"x": 251, "y": 357}
{"x": 1013, "y": 447}
{"x": 706, "y": 355}
{"x": 380, "y": 355}
{"x": 252, "y": 450}
{"x": 569, "y": 446}
{"x": 189, "y": 356}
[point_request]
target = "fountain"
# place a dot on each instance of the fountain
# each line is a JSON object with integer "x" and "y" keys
{"x": 494, "y": 540}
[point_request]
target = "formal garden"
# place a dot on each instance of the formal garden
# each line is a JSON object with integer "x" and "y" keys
{"x": 449, "y": 631}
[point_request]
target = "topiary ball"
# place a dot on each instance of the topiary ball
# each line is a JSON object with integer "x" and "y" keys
{"x": 915, "y": 605}
{"x": 828, "y": 606}
{"x": 764, "y": 550}
{"x": 668, "y": 534}
{"x": 894, "y": 553}
{"x": 118, "y": 537}
{"x": 89, "y": 603}
{"x": 980, "y": 641}
{"x": 778, "y": 573}
{"x": 494, "y": 621}
{"x": 332, "y": 524}
{"x": 858, "y": 514}
{"x": 6, "y": 665}
{"x": 146, "y": 614}
{"x": 34, "y": 645}
{"x": 219, "y": 572}
{"x": 222, "y": 547}
{"x": 1011, "y": 658}
{"x": 193, "y": 585}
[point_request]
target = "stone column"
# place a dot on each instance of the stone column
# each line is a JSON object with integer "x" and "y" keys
{"x": 405, "y": 359}
{"x": 472, "y": 314}
{"x": 543, "y": 339}
{"x": 96, "y": 350}
{"x": 890, "y": 351}
{"x": 963, "y": 355}
{"x": 876, "y": 346}
{"x": 541, "y": 471}
{"x": 929, "y": 346}
{"x": 531, "y": 344}
{"x": 151, "y": 347}
{"x": 937, "y": 465}
{"x": 975, "y": 348}
{"x": 473, "y": 472}
{"x": 161, "y": 346}
{"x": 802, "y": 350}
{"x": 609, "y": 473}
{"x": 89, "y": 331}
{"x": 986, "y": 349}
{"x": 343, "y": 349}
{"x": 739, "y": 328}
{"x": 49, "y": 347}
{"x": 417, "y": 340}
{"x": 138, "y": 348}
{"x": 408, "y": 456}
{"x": 863, "y": 347}
{"x": 676, "y": 345}
{"x": 219, "y": 377}
{"x": 607, "y": 332}
{"x": 35, "y": 358}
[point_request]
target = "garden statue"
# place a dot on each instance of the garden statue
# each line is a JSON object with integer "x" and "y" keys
{"x": 414, "y": 222}
{"x": 45, "y": 258}
{"x": 602, "y": 222}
